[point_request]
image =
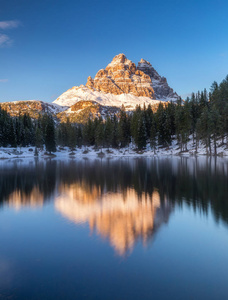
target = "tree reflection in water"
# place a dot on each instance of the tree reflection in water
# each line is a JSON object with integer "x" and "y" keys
{"x": 124, "y": 200}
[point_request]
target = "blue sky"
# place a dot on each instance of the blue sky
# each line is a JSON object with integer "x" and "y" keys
{"x": 48, "y": 46}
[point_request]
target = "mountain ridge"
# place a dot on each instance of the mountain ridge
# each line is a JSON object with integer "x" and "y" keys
{"x": 121, "y": 82}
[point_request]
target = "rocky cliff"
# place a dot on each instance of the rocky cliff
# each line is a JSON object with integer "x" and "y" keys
{"x": 161, "y": 88}
{"x": 122, "y": 77}
{"x": 31, "y": 107}
{"x": 121, "y": 82}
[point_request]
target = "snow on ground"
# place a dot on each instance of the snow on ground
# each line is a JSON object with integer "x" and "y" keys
{"x": 76, "y": 94}
{"x": 131, "y": 151}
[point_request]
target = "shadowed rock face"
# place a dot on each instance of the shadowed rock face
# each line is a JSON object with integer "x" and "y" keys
{"x": 160, "y": 85}
{"x": 122, "y": 77}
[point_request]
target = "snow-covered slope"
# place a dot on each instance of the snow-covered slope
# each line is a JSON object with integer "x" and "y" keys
{"x": 76, "y": 94}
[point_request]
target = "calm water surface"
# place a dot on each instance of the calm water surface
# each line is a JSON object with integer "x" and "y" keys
{"x": 114, "y": 229}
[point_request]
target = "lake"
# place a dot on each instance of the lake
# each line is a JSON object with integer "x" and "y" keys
{"x": 137, "y": 228}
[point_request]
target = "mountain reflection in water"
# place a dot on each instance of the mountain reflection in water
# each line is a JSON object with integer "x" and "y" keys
{"x": 123, "y": 200}
{"x": 19, "y": 199}
{"x": 122, "y": 217}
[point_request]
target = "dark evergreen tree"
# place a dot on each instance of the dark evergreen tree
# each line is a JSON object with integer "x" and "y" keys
{"x": 123, "y": 128}
{"x": 134, "y": 123}
{"x": 99, "y": 134}
{"x": 39, "y": 138}
{"x": 204, "y": 129}
{"x": 12, "y": 135}
{"x": 115, "y": 137}
{"x": 79, "y": 136}
{"x": 142, "y": 133}
{"x": 149, "y": 117}
{"x": 161, "y": 125}
{"x": 214, "y": 126}
{"x": 50, "y": 141}
{"x": 108, "y": 132}
{"x": 153, "y": 135}
{"x": 72, "y": 137}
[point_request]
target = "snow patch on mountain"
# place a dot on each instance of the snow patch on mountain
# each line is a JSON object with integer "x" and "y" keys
{"x": 76, "y": 94}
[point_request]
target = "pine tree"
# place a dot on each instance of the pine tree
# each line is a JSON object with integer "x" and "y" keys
{"x": 50, "y": 141}
{"x": 194, "y": 111}
{"x": 204, "y": 129}
{"x": 108, "y": 132}
{"x": 99, "y": 136}
{"x": 214, "y": 126}
{"x": 79, "y": 136}
{"x": 161, "y": 125}
{"x": 19, "y": 128}
{"x": 115, "y": 137}
{"x": 134, "y": 125}
{"x": 153, "y": 135}
{"x": 88, "y": 132}
{"x": 29, "y": 132}
{"x": 12, "y": 136}
{"x": 149, "y": 117}
{"x": 72, "y": 142}
{"x": 142, "y": 134}
{"x": 39, "y": 139}
{"x": 123, "y": 128}
{"x": 183, "y": 125}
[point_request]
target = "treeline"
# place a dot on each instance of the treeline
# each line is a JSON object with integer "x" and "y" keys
{"x": 22, "y": 131}
{"x": 203, "y": 117}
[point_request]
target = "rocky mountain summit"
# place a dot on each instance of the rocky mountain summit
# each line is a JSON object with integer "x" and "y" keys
{"x": 122, "y": 77}
{"x": 121, "y": 82}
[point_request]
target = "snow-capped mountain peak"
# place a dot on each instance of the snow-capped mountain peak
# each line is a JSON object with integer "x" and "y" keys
{"x": 121, "y": 82}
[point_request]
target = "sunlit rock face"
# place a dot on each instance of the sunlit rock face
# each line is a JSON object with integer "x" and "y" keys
{"x": 123, "y": 218}
{"x": 32, "y": 107}
{"x": 19, "y": 199}
{"x": 121, "y": 76}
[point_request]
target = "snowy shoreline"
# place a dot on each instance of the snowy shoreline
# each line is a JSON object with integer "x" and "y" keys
{"x": 131, "y": 151}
